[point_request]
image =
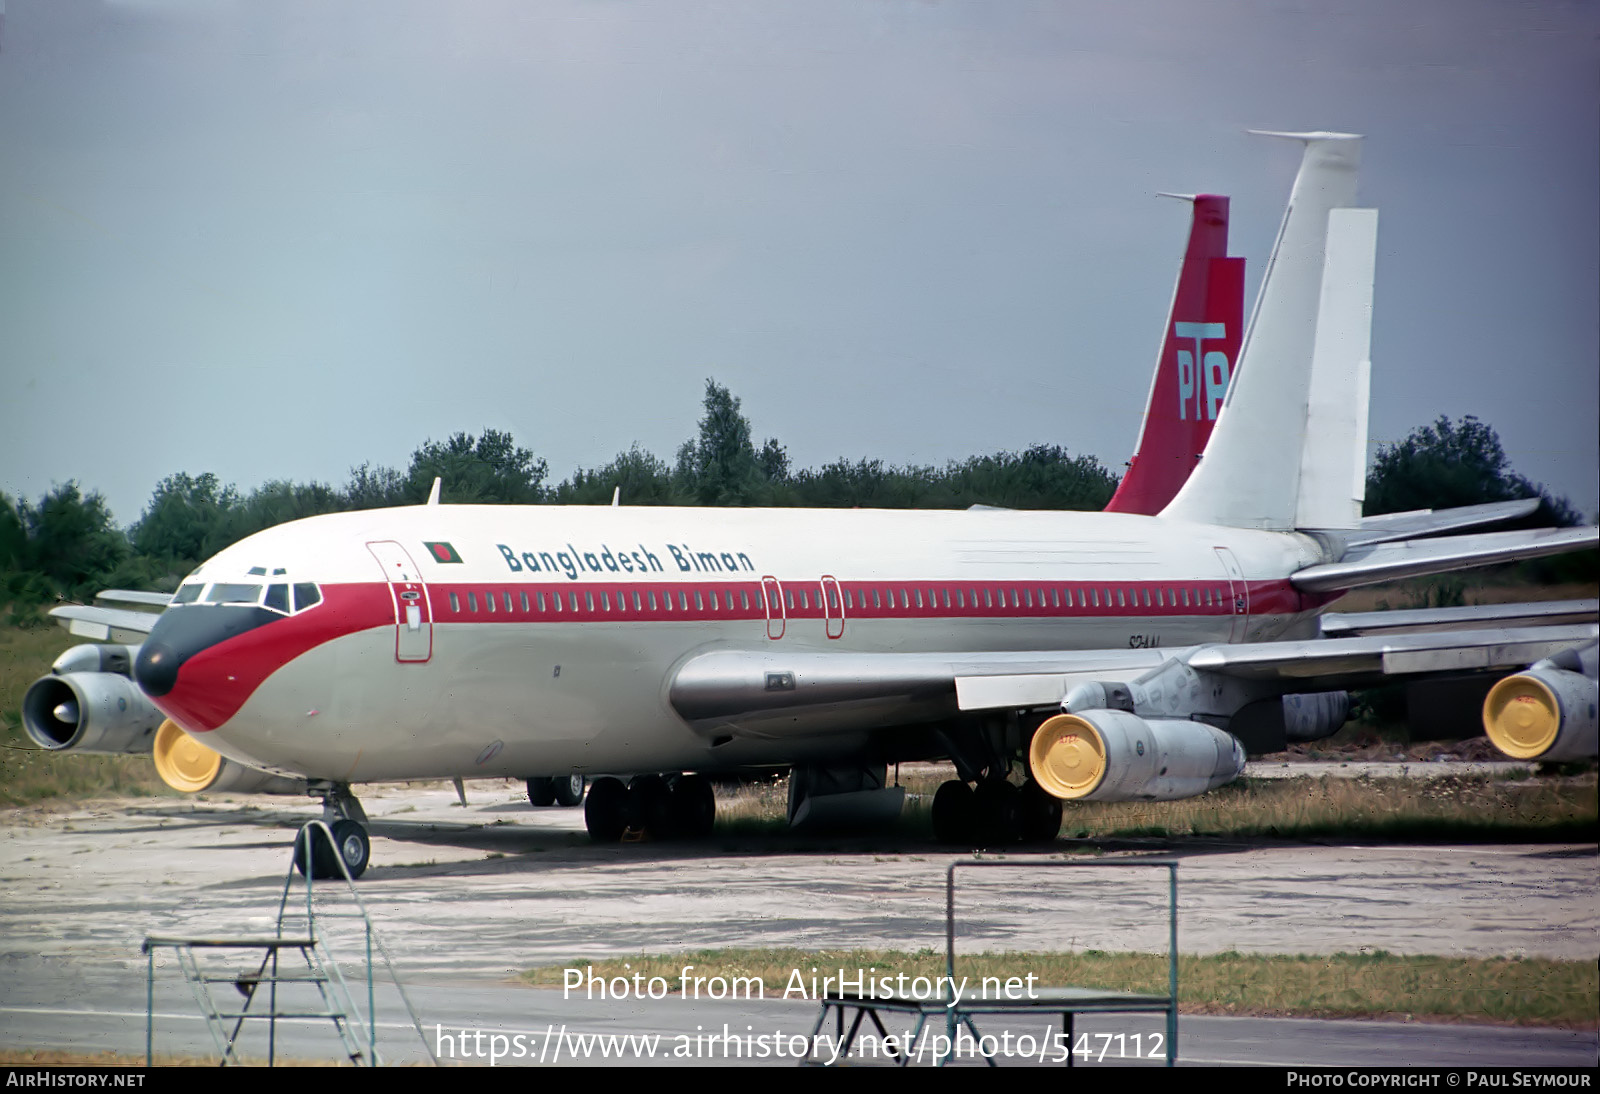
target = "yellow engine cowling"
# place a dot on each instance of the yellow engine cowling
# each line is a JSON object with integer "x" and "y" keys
{"x": 185, "y": 764}
{"x": 1546, "y": 713}
{"x": 1111, "y": 755}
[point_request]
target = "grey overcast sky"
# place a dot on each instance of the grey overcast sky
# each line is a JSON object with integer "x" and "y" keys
{"x": 277, "y": 238}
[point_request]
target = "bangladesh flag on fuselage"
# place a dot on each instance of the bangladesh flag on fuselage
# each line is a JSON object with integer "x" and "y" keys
{"x": 442, "y": 552}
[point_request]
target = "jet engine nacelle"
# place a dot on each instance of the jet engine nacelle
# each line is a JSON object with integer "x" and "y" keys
{"x": 1547, "y": 712}
{"x": 1112, "y": 755}
{"x": 105, "y": 713}
{"x": 95, "y": 712}
{"x": 184, "y": 763}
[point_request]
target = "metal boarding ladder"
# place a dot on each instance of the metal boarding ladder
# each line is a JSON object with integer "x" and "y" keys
{"x": 357, "y": 1034}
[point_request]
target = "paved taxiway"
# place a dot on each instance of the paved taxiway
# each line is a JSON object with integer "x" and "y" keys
{"x": 464, "y": 898}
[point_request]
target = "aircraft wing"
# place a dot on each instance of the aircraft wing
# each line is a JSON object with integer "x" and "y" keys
{"x": 105, "y": 624}
{"x": 728, "y": 693}
{"x": 1415, "y": 620}
{"x": 1432, "y": 522}
{"x": 1369, "y": 564}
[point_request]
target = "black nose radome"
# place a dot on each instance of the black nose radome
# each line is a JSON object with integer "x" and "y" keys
{"x": 156, "y": 667}
{"x": 182, "y": 632}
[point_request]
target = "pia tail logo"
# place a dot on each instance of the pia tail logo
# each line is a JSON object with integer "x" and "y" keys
{"x": 1201, "y": 389}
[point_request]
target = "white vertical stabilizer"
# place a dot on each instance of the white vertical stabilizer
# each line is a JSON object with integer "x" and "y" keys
{"x": 1250, "y": 474}
{"x": 1333, "y": 460}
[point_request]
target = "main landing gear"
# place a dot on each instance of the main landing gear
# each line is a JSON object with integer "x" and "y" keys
{"x": 650, "y": 806}
{"x": 347, "y": 822}
{"x": 994, "y": 812}
{"x": 566, "y": 790}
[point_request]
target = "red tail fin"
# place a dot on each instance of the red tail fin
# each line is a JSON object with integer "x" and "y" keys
{"x": 1198, "y": 353}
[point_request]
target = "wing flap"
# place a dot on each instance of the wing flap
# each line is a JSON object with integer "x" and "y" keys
{"x": 1349, "y": 662}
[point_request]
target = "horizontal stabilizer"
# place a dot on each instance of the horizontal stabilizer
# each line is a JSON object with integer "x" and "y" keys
{"x": 1433, "y": 522}
{"x": 1367, "y": 565}
{"x": 1401, "y": 621}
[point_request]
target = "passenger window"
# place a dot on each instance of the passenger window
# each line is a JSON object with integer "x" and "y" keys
{"x": 522, "y": 594}
{"x": 744, "y": 598}
{"x": 555, "y": 598}
{"x": 572, "y": 598}
{"x": 507, "y": 595}
{"x": 653, "y": 606}
{"x": 455, "y": 602}
{"x": 961, "y": 601}
{"x": 472, "y": 602}
{"x": 919, "y": 598}
{"x": 1147, "y": 598}
{"x": 605, "y": 601}
{"x": 305, "y": 595}
{"x": 538, "y": 600}
{"x": 1122, "y": 599}
{"x": 683, "y": 599}
{"x": 278, "y": 598}
{"x": 588, "y": 600}
{"x": 638, "y": 606}
{"x": 488, "y": 601}
{"x": 699, "y": 604}
{"x": 877, "y": 600}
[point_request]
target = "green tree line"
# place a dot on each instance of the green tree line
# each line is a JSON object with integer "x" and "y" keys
{"x": 66, "y": 546}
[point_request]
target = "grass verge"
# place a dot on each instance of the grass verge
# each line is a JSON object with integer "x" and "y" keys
{"x": 30, "y": 774}
{"x": 1456, "y": 809}
{"x": 1517, "y": 991}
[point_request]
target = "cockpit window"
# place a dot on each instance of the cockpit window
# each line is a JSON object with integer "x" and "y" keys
{"x": 188, "y": 594}
{"x": 305, "y": 595}
{"x": 257, "y": 571}
{"x": 277, "y": 598}
{"x": 233, "y": 594}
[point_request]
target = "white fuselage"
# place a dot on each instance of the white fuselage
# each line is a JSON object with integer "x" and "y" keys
{"x": 402, "y": 670}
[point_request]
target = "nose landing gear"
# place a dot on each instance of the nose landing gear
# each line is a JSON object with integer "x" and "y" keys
{"x": 347, "y": 822}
